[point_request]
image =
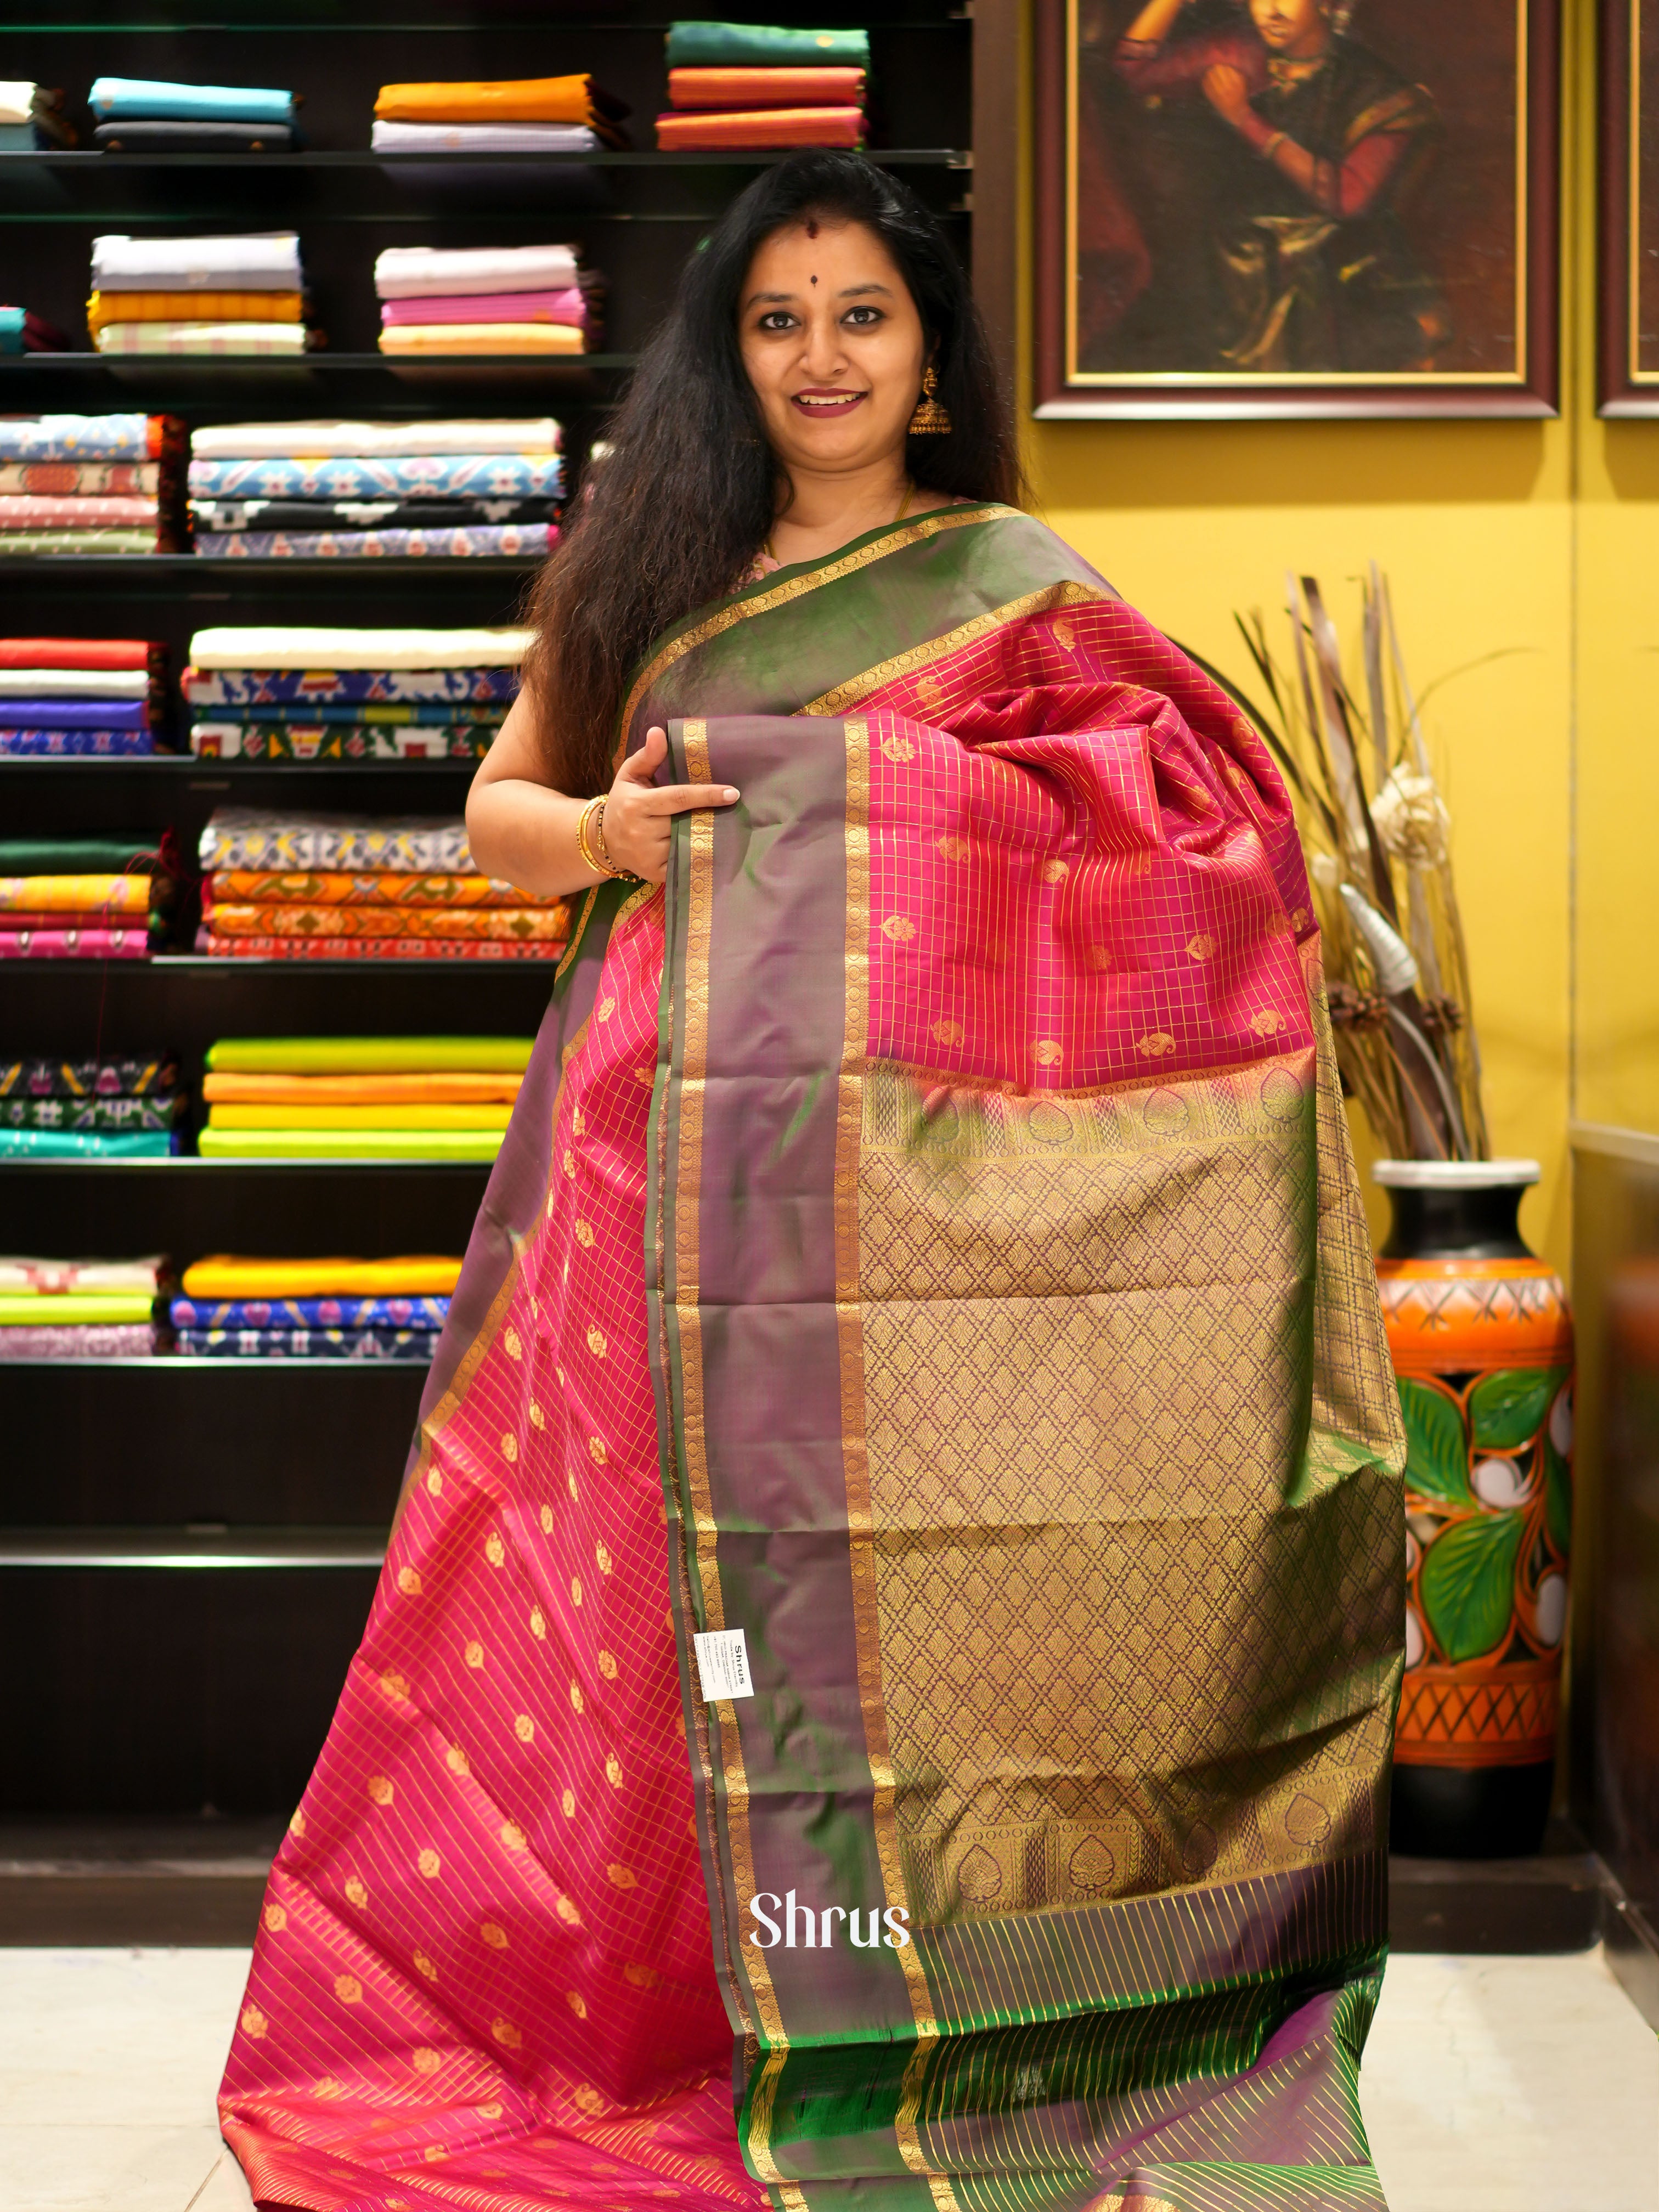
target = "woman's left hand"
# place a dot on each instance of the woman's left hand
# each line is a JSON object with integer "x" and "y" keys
{"x": 1227, "y": 92}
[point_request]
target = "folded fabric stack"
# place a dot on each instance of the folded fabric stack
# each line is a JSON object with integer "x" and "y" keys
{"x": 139, "y": 115}
{"x": 349, "y": 695}
{"x": 80, "y": 694}
{"x": 487, "y": 298}
{"x": 266, "y": 490}
{"x": 364, "y": 891}
{"x": 198, "y": 295}
{"x": 90, "y": 483}
{"x": 235, "y": 1308}
{"x": 84, "y": 898}
{"x": 518, "y": 115}
{"x": 361, "y": 1098}
{"x": 749, "y": 84}
{"x": 23, "y": 332}
{"x": 91, "y": 1110}
{"x": 31, "y": 117}
{"x": 82, "y": 1309}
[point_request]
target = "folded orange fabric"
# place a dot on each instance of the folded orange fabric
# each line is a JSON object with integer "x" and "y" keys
{"x": 191, "y": 307}
{"x": 483, "y": 337}
{"x": 335, "y": 887}
{"x": 510, "y": 100}
{"x": 540, "y": 925}
{"x": 766, "y": 88}
{"x": 458, "y": 1089}
{"x": 762, "y": 126}
{"x": 101, "y": 894}
{"x": 232, "y": 1275}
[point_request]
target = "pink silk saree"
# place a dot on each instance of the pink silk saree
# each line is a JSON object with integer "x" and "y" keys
{"x": 926, "y": 1246}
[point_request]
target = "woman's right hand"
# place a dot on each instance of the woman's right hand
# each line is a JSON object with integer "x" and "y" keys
{"x": 639, "y": 815}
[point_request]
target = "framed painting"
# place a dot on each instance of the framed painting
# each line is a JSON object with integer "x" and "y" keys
{"x": 1629, "y": 151}
{"x": 1284, "y": 208}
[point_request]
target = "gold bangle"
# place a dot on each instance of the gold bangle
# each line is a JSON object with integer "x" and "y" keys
{"x": 586, "y": 822}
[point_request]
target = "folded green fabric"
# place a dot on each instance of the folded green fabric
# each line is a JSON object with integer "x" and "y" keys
{"x": 73, "y": 1144}
{"x": 730, "y": 45}
{"x": 73, "y": 856}
{"x": 36, "y": 1308}
{"x": 368, "y": 1055}
{"x": 349, "y": 1143}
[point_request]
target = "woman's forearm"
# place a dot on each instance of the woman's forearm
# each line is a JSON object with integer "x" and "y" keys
{"x": 523, "y": 833}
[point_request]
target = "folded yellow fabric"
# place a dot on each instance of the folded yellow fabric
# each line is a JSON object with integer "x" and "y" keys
{"x": 361, "y": 1090}
{"x": 67, "y": 1309}
{"x": 423, "y": 1145}
{"x": 510, "y": 100}
{"x": 191, "y": 307}
{"x": 101, "y": 894}
{"x": 234, "y": 1275}
{"x": 359, "y": 1117}
{"x": 369, "y": 1055}
{"x": 482, "y": 337}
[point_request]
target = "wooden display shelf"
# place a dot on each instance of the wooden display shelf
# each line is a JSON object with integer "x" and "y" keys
{"x": 168, "y": 1550}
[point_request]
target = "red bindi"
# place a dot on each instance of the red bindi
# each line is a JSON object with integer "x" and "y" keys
{"x": 811, "y": 231}
{"x": 813, "y": 280}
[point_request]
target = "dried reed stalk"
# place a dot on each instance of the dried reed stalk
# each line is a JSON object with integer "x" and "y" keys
{"x": 1376, "y": 835}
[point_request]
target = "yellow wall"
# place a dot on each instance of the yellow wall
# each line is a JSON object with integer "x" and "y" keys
{"x": 1537, "y": 541}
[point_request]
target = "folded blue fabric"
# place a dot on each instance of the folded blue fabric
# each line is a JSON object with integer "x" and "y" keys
{"x": 427, "y": 1314}
{"x": 136, "y": 98}
{"x": 415, "y": 1344}
{"x": 81, "y": 1145}
{"x": 11, "y": 323}
{"x": 71, "y": 713}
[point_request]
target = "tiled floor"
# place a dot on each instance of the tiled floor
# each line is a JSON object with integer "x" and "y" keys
{"x": 1491, "y": 2085}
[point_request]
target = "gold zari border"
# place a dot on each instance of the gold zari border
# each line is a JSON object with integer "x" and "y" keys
{"x": 858, "y": 688}
{"x": 694, "y": 1063}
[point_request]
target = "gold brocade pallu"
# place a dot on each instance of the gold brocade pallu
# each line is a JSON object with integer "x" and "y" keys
{"x": 1025, "y": 1441}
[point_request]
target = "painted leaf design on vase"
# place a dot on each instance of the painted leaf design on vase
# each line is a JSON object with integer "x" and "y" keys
{"x": 1437, "y": 1453}
{"x": 1558, "y": 1498}
{"x": 1468, "y": 1584}
{"x": 1507, "y": 1408}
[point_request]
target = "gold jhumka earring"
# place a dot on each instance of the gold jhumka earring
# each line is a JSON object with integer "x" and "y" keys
{"x": 931, "y": 420}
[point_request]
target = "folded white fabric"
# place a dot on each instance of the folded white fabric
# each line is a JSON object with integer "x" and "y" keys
{"x": 201, "y": 337}
{"x": 56, "y": 1276}
{"x": 73, "y": 684}
{"x": 262, "y": 441}
{"x": 482, "y": 138}
{"x": 410, "y": 272}
{"x": 19, "y": 98}
{"x": 235, "y": 647}
{"x": 262, "y": 261}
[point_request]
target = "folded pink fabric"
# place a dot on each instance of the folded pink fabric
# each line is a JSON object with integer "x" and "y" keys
{"x": 73, "y": 944}
{"x": 567, "y": 307}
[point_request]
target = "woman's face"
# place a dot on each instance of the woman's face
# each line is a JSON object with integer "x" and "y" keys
{"x": 1297, "y": 29}
{"x": 833, "y": 346}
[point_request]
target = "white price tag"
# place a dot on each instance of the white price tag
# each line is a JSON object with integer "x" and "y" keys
{"x": 723, "y": 1665}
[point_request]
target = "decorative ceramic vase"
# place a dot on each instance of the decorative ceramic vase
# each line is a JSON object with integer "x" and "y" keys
{"x": 1481, "y": 1340}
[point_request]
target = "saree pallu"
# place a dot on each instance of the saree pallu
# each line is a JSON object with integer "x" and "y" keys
{"x": 925, "y": 1255}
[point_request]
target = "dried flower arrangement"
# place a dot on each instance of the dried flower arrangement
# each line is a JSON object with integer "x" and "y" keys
{"x": 1376, "y": 833}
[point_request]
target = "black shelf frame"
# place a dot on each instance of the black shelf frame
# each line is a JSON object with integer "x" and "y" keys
{"x": 180, "y": 1581}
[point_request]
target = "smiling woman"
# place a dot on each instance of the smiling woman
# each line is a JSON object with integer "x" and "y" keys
{"x": 881, "y": 1687}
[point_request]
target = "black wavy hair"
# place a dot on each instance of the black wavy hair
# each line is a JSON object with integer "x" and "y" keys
{"x": 688, "y": 490}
